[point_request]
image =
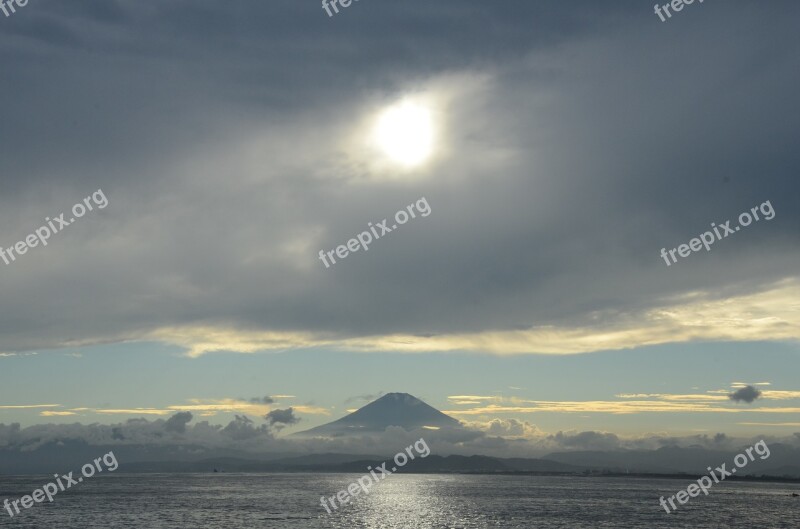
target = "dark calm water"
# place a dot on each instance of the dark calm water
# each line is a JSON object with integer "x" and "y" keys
{"x": 239, "y": 501}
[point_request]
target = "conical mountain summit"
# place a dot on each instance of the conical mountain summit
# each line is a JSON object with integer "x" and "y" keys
{"x": 393, "y": 409}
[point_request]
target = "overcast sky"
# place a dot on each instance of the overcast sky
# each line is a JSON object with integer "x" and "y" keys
{"x": 573, "y": 140}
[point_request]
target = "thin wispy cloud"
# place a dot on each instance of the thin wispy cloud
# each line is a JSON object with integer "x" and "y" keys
{"x": 710, "y": 402}
{"x": 27, "y": 406}
{"x": 203, "y": 407}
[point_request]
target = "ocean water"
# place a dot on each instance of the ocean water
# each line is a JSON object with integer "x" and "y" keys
{"x": 402, "y": 501}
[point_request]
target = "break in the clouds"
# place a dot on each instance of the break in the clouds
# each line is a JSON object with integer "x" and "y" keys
{"x": 575, "y": 140}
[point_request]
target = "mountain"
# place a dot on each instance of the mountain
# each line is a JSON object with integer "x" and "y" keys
{"x": 393, "y": 409}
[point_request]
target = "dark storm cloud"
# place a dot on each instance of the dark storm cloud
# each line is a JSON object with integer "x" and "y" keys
{"x": 599, "y": 136}
{"x": 746, "y": 394}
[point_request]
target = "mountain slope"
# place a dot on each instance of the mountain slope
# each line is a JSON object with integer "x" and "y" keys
{"x": 393, "y": 409}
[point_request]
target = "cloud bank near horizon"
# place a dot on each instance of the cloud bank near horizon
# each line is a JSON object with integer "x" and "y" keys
{"x": 497, "y": 437}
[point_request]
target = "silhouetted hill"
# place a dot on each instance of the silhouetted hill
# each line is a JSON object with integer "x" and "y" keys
{"x": 356, "y": 463}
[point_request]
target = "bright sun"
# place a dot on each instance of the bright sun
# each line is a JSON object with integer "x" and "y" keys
{"x": 405, "y": 133}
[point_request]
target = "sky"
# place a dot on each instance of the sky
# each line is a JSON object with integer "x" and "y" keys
{"x": 552, "y": 150}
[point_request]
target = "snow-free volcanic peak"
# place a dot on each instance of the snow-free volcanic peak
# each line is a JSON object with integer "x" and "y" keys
{"x": 393, "y": 409}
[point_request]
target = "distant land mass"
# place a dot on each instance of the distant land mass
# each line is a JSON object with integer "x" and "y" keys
{"x": 434, "y": 464}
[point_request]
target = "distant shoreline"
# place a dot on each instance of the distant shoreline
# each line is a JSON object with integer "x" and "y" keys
{"x": 588, "y": 475}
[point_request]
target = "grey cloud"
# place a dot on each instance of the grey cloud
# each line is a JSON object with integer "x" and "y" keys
{"x": 238, "y": 433}
{"x": 587, "y": 440}
{"x": 746, "y": 394}
{"x": 241, "y": 434}
{"x": 262, "y": 400}
{"x": 511, "y": 427}
{"x": 177, "y": 423}
{"x": 281, "y": 418}
{"x": 585, "y": 151}
{"x": 241, "y": 429}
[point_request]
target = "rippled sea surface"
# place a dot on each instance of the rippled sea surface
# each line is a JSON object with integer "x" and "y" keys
{"x": 239, "y": 501}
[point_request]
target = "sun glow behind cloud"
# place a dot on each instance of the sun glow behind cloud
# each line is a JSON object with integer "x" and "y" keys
{"x": 405, "y": 132}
